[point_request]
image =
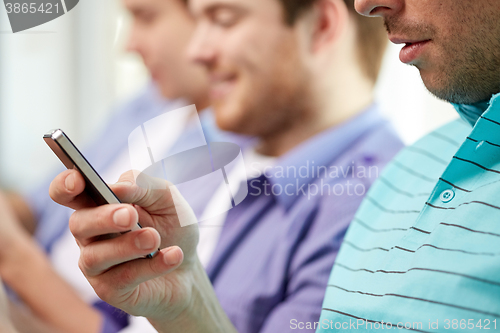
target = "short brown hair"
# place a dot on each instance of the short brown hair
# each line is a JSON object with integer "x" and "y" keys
{"x": 371, "y": 35}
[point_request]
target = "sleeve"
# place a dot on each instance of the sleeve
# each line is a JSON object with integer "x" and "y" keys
{"x": 311, "y": 266}
{"x": 114, "y": 320}
{"x": 139, "y": 324}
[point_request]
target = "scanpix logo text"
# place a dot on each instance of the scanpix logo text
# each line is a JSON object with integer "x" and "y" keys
{"x": 26, "y": 14}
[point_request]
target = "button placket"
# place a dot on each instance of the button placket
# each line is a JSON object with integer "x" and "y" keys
{"x": 447, "y": 195}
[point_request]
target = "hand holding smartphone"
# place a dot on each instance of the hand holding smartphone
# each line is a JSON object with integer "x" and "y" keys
{"x": 72, "y": 158}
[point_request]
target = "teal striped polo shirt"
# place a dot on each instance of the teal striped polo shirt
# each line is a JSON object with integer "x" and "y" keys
{"x": 423, "y": 252}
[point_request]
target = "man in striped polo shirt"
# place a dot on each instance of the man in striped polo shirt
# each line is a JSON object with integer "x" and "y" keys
{"x": 423, "y": 253}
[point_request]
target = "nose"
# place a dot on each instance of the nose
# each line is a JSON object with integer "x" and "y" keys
{"x": 201, "y": 49}
{"x": 132, "y": 40}
{"x": 378, "y": 7}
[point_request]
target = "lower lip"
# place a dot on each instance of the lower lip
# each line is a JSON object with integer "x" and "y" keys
{"x": 411, "y": 52}
{"x": 221, "y": 89}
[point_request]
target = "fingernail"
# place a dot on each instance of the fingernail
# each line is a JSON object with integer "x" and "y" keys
{"x": 145, "y": 240}
{"x": 172, "y": 256}
{"x": 69, "y": 182}
{"x": 122, "y": 217}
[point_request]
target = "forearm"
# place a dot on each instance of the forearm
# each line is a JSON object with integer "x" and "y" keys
{"x": 204, "y": 313}
{"x": 22, "y": 210}
{"x": 29, "y": 273}
{"x": 23, "y": 320}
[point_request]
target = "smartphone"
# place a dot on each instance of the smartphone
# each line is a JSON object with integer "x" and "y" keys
{"x": 72, "y": 158}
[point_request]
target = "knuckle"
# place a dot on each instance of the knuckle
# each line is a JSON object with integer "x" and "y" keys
{"x": 74, "y": 226}
{"x": 88, "y": 260}
{"x": 82, "y": 266}
{"x": 103, "y": 290}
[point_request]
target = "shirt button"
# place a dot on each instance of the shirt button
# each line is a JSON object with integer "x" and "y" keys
{"x": 447, "y": 196}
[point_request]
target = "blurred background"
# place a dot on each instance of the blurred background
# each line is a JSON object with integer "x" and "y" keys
{"x": 71, "y": 72}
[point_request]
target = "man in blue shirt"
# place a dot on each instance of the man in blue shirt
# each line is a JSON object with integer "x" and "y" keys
{"x": 302, "y": 82}
{"x": 176, "y": 83}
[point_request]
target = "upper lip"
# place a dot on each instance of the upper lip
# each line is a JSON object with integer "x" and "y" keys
{"x": 398, "y": 40}
{"x": 218, "y": 77}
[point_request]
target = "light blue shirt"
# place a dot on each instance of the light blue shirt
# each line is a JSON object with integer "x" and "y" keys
{"x": 423, "y": 252}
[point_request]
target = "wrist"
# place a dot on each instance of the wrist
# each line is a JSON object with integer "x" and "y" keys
{"x": 201, "y": 312}
{"x": 181, "y": 307}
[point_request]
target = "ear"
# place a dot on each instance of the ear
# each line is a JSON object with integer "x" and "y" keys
{"x": 330, "y": 20}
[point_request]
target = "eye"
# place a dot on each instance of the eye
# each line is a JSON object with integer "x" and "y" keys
{"x": 145, "y": 17}
{"x": 225, "y": 17}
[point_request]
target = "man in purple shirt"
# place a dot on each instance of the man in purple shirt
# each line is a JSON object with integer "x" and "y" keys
{"x": 300, "y": 78}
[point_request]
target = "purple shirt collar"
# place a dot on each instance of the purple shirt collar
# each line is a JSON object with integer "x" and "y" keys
{"x": 318, "y": 151}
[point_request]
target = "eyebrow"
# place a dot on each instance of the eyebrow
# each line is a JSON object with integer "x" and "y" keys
{"x": 137, "y": 11}
{"x": 213, "y": 8}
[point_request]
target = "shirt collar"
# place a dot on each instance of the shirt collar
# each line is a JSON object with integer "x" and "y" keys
{"x": 298, "y": 167}
{"x": 472, "y": 112}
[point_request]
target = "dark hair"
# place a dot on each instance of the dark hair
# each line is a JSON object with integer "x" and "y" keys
{"x": 371, "y": 35}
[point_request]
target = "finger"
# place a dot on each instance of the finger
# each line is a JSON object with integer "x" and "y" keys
{"x": 87, "y": 223}
{"x": 145, "y": 191}
{"x": 126, "y": 277}
{"x": 67, "y": 189}
{"x": 100, "y": 256}
{"x": 157, "y": 196}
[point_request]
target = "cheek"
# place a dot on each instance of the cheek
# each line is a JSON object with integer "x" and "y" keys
{"x": 172, "y": 38}
{"x": 237, "y": 53}
{"x": 250, "y": 47}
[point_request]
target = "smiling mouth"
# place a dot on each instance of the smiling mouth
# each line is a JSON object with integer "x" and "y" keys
{"x": 221, "y": 86}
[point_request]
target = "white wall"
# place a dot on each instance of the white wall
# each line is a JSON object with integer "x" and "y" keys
{"x": 37, "y": 93}
{"x": 69, "y": 72}
{"x": 66, "y": 74}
